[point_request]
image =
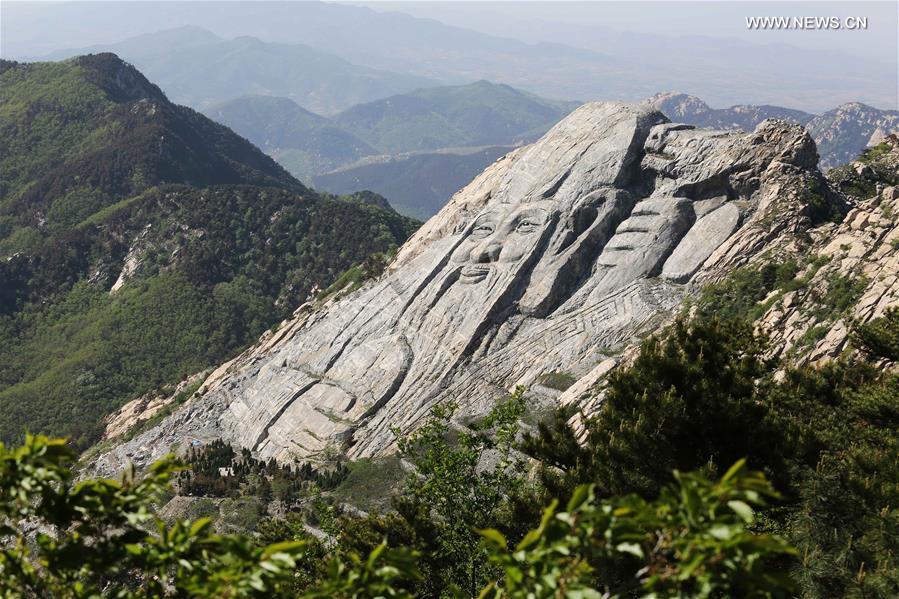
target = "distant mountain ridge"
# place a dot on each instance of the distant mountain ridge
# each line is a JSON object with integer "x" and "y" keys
{"x": 476, "y": 114}
{"x": 303, "y": 142}
{"x": 840, "y": 134}
{"x": 198, "y": 68}
{"x": 429, "y": 142}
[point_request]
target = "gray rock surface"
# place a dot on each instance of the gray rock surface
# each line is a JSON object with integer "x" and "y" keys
{"x": 549, "y": 261}
{"x": 707, "y": 234}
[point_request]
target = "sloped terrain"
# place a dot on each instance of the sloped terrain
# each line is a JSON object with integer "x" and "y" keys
{"x": 554, "y": 259}
{"x": 704, "y": 296}
{"x": 142, "y": 243}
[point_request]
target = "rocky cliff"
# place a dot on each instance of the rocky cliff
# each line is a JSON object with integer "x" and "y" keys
{"x": 557, "y": 258}
{"x": 849, "y": 273}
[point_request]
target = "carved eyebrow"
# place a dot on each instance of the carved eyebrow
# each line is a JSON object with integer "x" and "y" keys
{"x": 534, "y": 213}
{"x": 488, "y": 217}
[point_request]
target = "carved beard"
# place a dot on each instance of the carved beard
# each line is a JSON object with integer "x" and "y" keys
{"x": 445, "y": 320}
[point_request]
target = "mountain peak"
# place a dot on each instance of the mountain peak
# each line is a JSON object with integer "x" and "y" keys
{"x": 120, "y": 80}
{"x": 858, "y": 108}
{"x": 130, "y": 138}
{"x": 677, "y": 104}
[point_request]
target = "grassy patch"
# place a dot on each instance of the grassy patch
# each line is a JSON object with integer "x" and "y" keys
{"x": 558, "y": 380}
{"x": 749, "y": 292}
{"x": 872, "y": 154}
{"x": 240, "y": 515}
{"x": 371, "y": 483}
{"x": 813, "y": 335}
{"x": 201, "y": 507}
{"x": 842, "y": 293}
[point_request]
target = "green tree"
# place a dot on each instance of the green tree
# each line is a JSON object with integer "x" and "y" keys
{"x": 456, "y": 492}
{"x": 690, "y": 400}
{"x": 693, "y": 541}
{"x": 703, "y": 393}
{"x": 100, "y": 538}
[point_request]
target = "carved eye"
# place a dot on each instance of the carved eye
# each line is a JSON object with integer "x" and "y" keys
{"x": 527, "y": 225}
{"x": 482, "y": 229}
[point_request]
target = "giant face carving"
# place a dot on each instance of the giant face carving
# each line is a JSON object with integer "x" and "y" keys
{"x": 479, "y": 278}
{"x": 539, "y": 266}
{"x": 499, "y": 239}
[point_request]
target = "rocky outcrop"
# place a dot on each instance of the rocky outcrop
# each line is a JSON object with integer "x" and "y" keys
{"x": 851, "y": 274}
{"x": 840, "y": 134}
{"x": 138, "y": 411}
{"x": 556, "y": 259}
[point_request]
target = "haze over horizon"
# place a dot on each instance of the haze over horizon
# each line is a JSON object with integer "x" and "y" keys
{"x": 589, "y": 51}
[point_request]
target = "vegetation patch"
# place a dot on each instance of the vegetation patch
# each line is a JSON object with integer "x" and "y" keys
{"x": 819, "y": 206}
{"x": 651, "y": 485}
{"x": 558, "y": 380}
{"x": 371, "y": 483}
{"x": 875, "y": 153}
{"x": 842, "y": 293}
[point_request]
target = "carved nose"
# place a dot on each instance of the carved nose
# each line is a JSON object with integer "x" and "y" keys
{"x": 487, "y": 252}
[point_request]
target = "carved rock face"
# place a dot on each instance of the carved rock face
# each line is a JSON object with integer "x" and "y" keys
{"x": 555, "y": 257}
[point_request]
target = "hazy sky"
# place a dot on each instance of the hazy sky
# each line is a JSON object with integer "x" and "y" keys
{"x": 634, "y": 48}
{"x": 513, "y": 18}
{"x": 722, "y": 19}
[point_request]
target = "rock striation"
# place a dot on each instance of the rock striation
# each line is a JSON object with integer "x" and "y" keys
{"x": 556, "y": 258}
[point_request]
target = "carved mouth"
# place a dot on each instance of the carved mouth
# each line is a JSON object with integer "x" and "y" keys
{"x": 474, "y": 273}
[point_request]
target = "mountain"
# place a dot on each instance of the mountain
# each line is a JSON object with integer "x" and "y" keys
{"x": 417, "y": 149}
{"x": 418, "y": 184}
{"x": 846, "y": 130}
{"x": 840, "y": 134}
{"x": 197, "y": 68}
{"x": 566, "y": 60}
{"x": 695, "y": 296}
{"x": 551, "y": 262}
{"x": 140, "y": 242}
{"x": 477, "y": 114}
{"x": 303, "y": 142}
{"x": 82, "y": 134}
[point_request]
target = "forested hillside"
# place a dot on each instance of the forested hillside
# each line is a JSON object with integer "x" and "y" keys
{"x": 477, "y": 114}
{"x": 142, "y": 242}
{"x": 82, "y": 134}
